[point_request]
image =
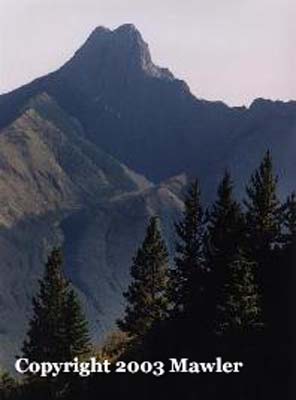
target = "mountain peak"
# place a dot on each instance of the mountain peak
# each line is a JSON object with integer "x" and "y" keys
{"x": 126, "y": 28}
{"x": 112, "y": 55}
{"x": 99, "y": 30}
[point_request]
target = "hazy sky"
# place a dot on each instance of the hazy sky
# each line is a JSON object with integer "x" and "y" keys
{"x": 231, "y": 50}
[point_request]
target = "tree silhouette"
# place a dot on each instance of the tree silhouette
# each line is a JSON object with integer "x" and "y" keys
{"x": 147, "y": 301}
{"x": 187, "y": 276}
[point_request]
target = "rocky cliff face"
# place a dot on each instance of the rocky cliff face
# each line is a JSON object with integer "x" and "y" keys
{"x": 90, "y": 151}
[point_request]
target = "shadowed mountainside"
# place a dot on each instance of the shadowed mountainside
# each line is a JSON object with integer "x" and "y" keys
{"x": 145, "y": 117}
{"x": 59, "y": 189}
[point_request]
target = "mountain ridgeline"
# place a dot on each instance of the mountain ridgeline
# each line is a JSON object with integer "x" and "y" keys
{"x": 89, "y": 152}
{"x": 126, "y": 104}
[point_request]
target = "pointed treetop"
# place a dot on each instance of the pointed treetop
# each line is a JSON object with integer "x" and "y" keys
{"x": 147, "y": 293}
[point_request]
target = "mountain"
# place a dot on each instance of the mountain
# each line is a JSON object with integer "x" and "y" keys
{"x": 126, "y": 104}
{"x": 48, "y": 164}
{"x": 145, "y": 117}
{"x": 57, "y": 188}
{"x": 266, "y": 125}
{"x": 90, "y": 151}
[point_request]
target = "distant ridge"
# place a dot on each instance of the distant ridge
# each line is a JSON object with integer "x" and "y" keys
{"x": 149, "y": 120}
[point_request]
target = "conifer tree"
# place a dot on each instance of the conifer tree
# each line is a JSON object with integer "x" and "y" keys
{"x": 240, "y": 313}
{"x": 225, "y": 235}
{"x": 286, "y": 280}
{"x": 57, "y": 329}
{"x": 187, "y": 277}
{"x": 46, "y": 330}
{"x": 263, "y": 219}
{"x": 76, "y": 328}
{"x": 289, "y": 221}
{"x": 262, "y": 211}
{"x": 225, "y": 228}
{"x": 147, "y": 293}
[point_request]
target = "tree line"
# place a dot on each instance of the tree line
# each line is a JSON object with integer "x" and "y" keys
{"x": 226, "y": 291}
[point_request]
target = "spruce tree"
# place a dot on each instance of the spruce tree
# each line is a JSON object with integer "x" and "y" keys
{"x": 289, "y": 248}
{"x": 240, "y": 313}
{"x": 57, "y": 330}
{"x": 263, "y": 210}
{"x": 286, "y": 280}
{"x": 225, "y": 235}
{"x": 225, "y": 227}
{"x": 263, "y": 219}
{"x": 76, "y": 328}
{"x": 289, "y": 221}
{"x": 187, "y": 277}
{"x": 147, "y": 293}
{"x": 45, "y": 336}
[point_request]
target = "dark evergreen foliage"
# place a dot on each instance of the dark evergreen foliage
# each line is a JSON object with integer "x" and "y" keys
{"x": 46, "y": 334}
{"x": 225, "y": 236}
{"x": 226, "y": 228}
{"x": 76, "y": 328}
{"x": 57, "y": 330}
{"x": 147, "y": 301}
{"x": 289, "y": 220}
{"x": 240, "y": 314}
{"x": 263, "y": 210}
{"x": 8, "y": 386}
{"x": 188, "y": 275}
{"x": 238, "y": 273}
{"x": 263, "y": 218}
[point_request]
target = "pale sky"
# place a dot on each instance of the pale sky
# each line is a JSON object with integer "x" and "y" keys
{"x": 230, "y": 50}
